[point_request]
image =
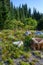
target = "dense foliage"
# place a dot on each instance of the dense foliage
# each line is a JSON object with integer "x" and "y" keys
{"x": 27, "y": 20}
{"x": 40, "y": 24}
{"x": 30, "y": 23}
{"x": 4, "y": 12}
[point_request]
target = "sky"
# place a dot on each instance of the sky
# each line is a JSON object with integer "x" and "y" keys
{"x": 38, "y": 4}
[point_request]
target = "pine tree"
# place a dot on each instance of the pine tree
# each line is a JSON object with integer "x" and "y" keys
{"x": 36, "y": 15}
{"x": 11, "y": 10}
{"x": 4, "y": 12}
{"x": 7, "y": 6}
{"x": 28, "y": 13}
{"x": 25, "y": 9}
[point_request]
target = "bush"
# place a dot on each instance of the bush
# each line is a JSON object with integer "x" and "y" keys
{"x": 4, "y": 58}
{"x": 32, "y": 63}
{"x": 1, "y": 63}
{"x": 37, "y": 53}
{"x": 27, "y": 42}
{"x": 16, "y": 55}
{"x": 35, "y": 60}
{"x": 30, "y": 23}
{"x": 27, "y": 55}
{"x": 13, "y": 24}
{"x": 10, "y": 61}
{"x": 24, "y": 63}
{"x": 21, "y": 52}
{"x": 10, "y": 37}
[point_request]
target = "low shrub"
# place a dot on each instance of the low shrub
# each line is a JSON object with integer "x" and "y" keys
{"x": 37, "y": 53}
{"x": 27, "y": 55}
{"x": 16, "y": 55}
{"x": 32, "y": 63}
{"x": 24, "y": 63}
{"x": 1, "y": 63}
{"x": 10, "y": 61}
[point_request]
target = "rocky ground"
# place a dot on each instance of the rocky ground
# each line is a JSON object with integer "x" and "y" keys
{"x": 38, "y": 62}
{"x": 16, "y": 61}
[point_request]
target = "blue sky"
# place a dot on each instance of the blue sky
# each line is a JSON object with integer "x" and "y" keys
{"x": 38, "y": 4}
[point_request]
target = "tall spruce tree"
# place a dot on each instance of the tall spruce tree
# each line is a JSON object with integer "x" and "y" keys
{"x": 29, "y": 13}
{"x": 11, "y": 10}
{"x": 7, "y": 6}
{"x": 25, "y": 9}
{"x": 36, "y": 15}
{"x": 2, "y": 13}
{"x": 4, "y": 10}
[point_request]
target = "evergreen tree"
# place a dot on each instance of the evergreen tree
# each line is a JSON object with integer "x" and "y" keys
{"x": 18, "y": 18}
{"x": 2, "y": 13}
{"x": 7, "y": 6}
{"x": 40, "y": 24}
{"x": 20, "y": 12}
{"x": 29, "y": 13}
{"x": 36, "y": 15}
{"x": 25, "y": 9}
{"x": 4, "y": 10}
{"x": 11, "y": 10}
